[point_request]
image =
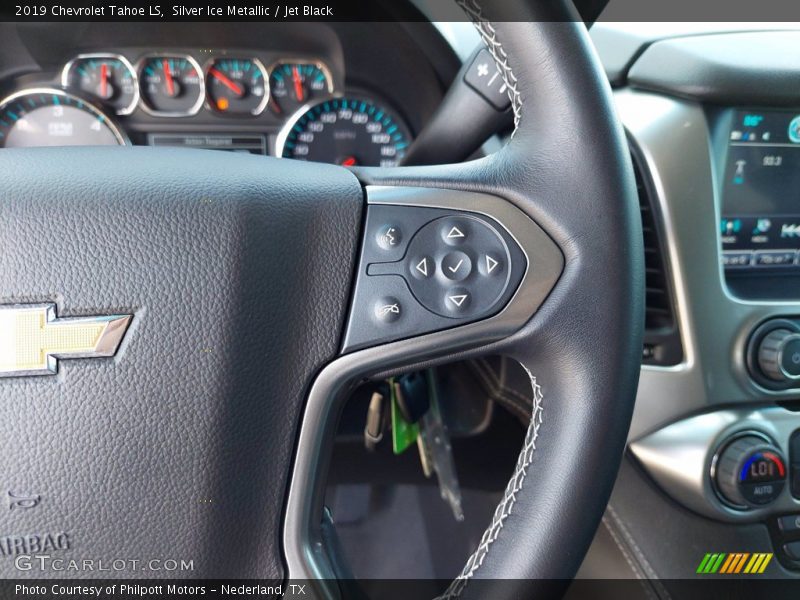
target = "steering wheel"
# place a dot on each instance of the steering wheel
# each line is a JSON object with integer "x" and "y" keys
{"x": 205, "y": 438}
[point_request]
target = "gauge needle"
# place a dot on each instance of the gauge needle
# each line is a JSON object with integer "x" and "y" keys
{"x": 227, "y": 82}
{"x": 103, "y": 80}
{"x": 168, "y": 78}
{"x": 298, "y": 84}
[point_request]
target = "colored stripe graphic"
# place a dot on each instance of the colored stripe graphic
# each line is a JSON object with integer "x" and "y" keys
{"x": 703, "y": 563}
{"x": 741, "y": 563}
{"x": 711, "y": 563}
{"x": 765, "y": 563}
{"x": 732, "y": 558}
{"x": 734, "y": 563}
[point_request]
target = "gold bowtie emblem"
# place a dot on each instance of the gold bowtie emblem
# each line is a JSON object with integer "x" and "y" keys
{"x": 32, "y": 339}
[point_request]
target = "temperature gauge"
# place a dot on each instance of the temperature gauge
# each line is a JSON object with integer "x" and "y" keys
{"x": 237, "y": 86}
{"x": 110, "y": 78}
{"x": 171, "y": 85}
{"x": 295, "y": 84}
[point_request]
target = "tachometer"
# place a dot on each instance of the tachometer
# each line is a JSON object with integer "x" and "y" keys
{"x": 294, "y": 84}
{"x": 345, "y": 131}
{"x": 171, "y": 85}
{"x": 52, "y": 117}
{"x": 108, "y": 77}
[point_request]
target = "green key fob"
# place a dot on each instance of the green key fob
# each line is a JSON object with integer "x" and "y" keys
{"x": 404, "y": 434}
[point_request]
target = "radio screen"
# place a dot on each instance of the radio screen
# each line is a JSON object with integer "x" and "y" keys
{"x": 760, "y": 223}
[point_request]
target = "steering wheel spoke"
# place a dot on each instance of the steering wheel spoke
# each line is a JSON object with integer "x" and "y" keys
{"x": 562, "y": 192}
{"x": 259, "y": 291}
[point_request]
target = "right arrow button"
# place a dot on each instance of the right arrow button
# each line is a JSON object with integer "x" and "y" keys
{"x": 491, "y": 265}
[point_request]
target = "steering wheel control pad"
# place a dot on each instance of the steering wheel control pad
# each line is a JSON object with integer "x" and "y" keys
{"x": 428, "y": 269}
{"x": 457, "y": 266}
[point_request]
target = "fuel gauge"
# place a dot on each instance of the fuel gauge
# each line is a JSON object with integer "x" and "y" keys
{"x": 109, "y": 78}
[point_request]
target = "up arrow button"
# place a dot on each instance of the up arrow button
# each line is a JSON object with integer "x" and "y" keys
{"x": 455, "y": 233}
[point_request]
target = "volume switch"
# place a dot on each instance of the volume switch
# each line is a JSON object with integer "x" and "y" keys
{"x": 779, "y": 355}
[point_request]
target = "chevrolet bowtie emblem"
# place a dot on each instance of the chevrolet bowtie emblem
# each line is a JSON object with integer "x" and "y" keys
{"x": 32, "y": 339}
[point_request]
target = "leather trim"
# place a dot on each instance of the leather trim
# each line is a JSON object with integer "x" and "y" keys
{"x": 506, "y": 505}
{"x": 489, "y": 36}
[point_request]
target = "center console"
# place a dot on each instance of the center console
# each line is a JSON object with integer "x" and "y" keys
{"x": 736, "y": 459}
{"x": 714, "y": 446}
{"x": 739, "y": 466}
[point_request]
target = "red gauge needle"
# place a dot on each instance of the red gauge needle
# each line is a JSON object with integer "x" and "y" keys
{"x": 349, "y": 161}
{"x": 103, "y": 80}
{"x": 227, "y": 82}
{"x": 298, "y": 84}
{"x": 168, "y": 78}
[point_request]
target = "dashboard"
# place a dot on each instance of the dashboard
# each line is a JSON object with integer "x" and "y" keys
{"x": 712, "y": 114}
{"x": 307, "y": 93}
{"x": 713, "y": 119}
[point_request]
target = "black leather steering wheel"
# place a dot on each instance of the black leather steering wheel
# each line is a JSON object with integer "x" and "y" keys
{"x": 205, "y": 436}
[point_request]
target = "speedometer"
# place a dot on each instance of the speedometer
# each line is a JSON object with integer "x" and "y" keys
{"x": 52, "y": 117}
{"x": 345, "y": 131}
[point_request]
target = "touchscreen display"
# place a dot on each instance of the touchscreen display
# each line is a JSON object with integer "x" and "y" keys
{"x": 760, "y": 223}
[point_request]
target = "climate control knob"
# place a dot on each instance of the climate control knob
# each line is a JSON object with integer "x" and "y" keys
{"x": 750, "y": 472}
{"x": 779, "y": 355}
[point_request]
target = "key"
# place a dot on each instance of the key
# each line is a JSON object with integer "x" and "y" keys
{"x": 376, "y": 420}
{"x": 413, "y": 397}
{"x": 404, "y": 433}
{"x": 424, "y": 456}
{"x": 436, "y": 445}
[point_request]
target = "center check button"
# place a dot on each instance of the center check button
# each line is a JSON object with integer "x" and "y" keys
{"x": 456, "y": 266}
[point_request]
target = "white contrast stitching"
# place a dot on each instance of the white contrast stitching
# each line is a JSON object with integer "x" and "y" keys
{"x": 645, "y": 564}
{"x": 489, "y": 36}
{"x": 631, "y": 563}
{"x": 507, "y": 503}
{"x": 511, "y": 399}
{"x": 503, "y": 510}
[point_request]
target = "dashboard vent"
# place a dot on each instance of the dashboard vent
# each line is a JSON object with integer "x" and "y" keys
{"x": 662, "y": 343}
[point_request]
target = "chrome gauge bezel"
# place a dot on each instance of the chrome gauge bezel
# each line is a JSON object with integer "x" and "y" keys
{"x": 91, "y": 106}
{"x": 107, "y": 55}
{"x": 201, "y": 96}
{"x": 322, "y": 66}
{"x": 283, "y": 134}
{"x": 265, "y": 73}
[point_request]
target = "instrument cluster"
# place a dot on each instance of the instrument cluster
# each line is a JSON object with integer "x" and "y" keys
{"x": 178, "y": 85}
{"x": 290, "y": 107}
